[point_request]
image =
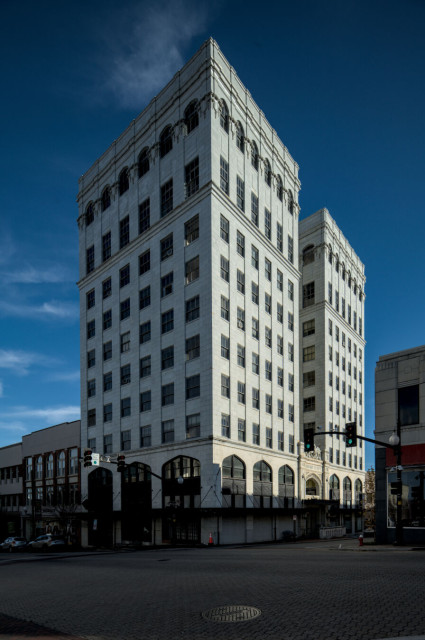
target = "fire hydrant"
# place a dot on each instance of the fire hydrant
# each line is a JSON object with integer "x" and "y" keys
{"x": 361, "y": 540}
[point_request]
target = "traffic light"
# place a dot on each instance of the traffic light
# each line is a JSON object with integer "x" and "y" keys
{"x": 87, "y": 458}
{"x": 308, "y": 440}
{"x": 350, "y": 434}
{"x": 121, "y": 464}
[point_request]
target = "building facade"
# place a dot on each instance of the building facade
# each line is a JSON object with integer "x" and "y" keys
{"x": 400, "y": 396}
{"x": 332, "y": 361}
{"x": 11, "y": 490}
{"x": 189, "y": 301}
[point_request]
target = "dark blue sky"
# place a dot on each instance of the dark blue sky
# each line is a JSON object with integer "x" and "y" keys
{"x": 342, "y": 82}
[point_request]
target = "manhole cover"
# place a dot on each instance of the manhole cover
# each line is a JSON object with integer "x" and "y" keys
{"x": 236, "y": 613}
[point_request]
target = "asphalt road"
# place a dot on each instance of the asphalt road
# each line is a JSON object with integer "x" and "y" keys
{"x": 304, "y": 591}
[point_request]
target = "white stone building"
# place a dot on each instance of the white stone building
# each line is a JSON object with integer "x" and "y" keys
{"x": 332, "y": 361}
{"x": 189, "y": 284}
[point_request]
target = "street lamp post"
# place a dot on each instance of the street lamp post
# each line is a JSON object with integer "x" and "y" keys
{"x": 395, "y": 441}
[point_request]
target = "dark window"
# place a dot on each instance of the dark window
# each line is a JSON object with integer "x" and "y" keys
{"x": 254, "y": 209}
{"x": 124, "y": 231}
{"x": 191, "y": 230}
{"x": 279, "y": 188}
{"x": 143, "y": 163}
{"x": 145, "y": 366}
{"x": 107, "y": 350}
{"x": 125, "y": 407}
{"x": 107, "y": 381}
{"x": 145, "y": 401}
{"x": 126, "y": 374}
{"x": 90, "y": 259}
{"x": 167, "y": 284}
{"x": 308, "y": 294}
{"x": 106, "y": 246}
{"x": 193, "y": 426}
{"x": 144, "y": 262}
{"x": 167, "y": 431}
{"x": 254, "y": 156}
{"x": 90, "y": 299}
{"x": 125, "y": 309}
{"x": 91, "y": 417}
{"x": 191, "y": 177}
{"x": 191, "y": 117}
{"x": 192, "y": 347}
{"x": 107, "y": 442}
{"x": 167, "y": 247}
{"x": 145, "y": 332}
{"x": 107, "y": 416}
{"x": 89, "y": 214}
{"x": 91, "y": 388}
{"x": 123, "y": 181}
{"x": 192, "y": 270}
{"x": 224, "y": 116}
{"x": 106, "y": 288}
{"x": 290, "y": 249}
{"x": 192, "y": 309}
{"x": 91, "y": 358}
{"x": 240, "y": 193}
{"x": 144, "y": 215}
{"x": 193, "y": 389}
{"x": 144, "y": 297}
{"x": 165, "y": 141}
{"x": 408, "y": 405}
{"x": 107, "y": 319}
{"x": 126, "y": 439}
{"x": 106, "y": 198}
{"x": 224, "y": 175}
{"x": 240, "y": 141}
{"x": 167, "y": 321}
{"x": 267, "y": 173}
{"x": 125, "y": 275}
{"x": 166, "y": 198}
{"x": 91, "y": 329}
{"x": 167, "y": 357}
{"x": 146, "y": 436}
{"x": 167, "y": 394}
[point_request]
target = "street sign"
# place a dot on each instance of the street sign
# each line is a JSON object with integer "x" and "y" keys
{"x": 95, "y": 459}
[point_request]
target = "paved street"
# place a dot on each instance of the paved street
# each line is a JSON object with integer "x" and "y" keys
{"x": 308, "y": 591}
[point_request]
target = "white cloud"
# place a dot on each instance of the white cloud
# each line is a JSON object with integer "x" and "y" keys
{"x": 148, "y": 48}
{"x": 46, "y": 310}
{"x": 50, "y": 415}
{"x": 31, "y": 275}
{"x": 20, "y": 362}
{"x": 66, "y": 376}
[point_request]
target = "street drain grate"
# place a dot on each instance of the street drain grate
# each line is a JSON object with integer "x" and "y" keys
{"x": 236, "y": 613}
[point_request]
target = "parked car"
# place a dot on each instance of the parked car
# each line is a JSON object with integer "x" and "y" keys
{"x": 45, "y": 542}
{"x": 13, "y": 544}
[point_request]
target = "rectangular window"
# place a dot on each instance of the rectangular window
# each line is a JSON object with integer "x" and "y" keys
{"x": 107, "y": 413}
{"x": 144, "y": 262}
{"x": 91, "y": 358}
{"x": 144, "y": 216}
{"x": 310, "y": 404}
{"x": 241, "y": 355}
{"x": 241, "y": 319}
{"x": 90, "y": 259}
{"x": 144, "y": 297}
{"x": 125, "y": 407}
{"x": 167, "y": 321}
{"x": 309, "y": 327}
{"x": 224, "y": 229}
{"x": 290, "y": 290}
{"x": 191, "y": 230}
{"x": 279, "y": 309}
{"x": 125, "y": 342}
{"x": 193, "y": 386}
{"x": 290, "y": 321}
{"x": 408, "y": 405}
{"x": 192, "y": 270}
{"x": 167, "y": 198}
{"x": 290, "y": 249}
{"x": 91, "y": 417}
{"x": 191, "y": 177}
{"x": 330, "y": 292}
{"x": 167, "y": 357}
{"x": 145, "y": 401}
{"x": 268, "y": 269}
{"x": 255, "y": 433}
{"x": 146, "y": 436}
{"x": 224, "y": 175}
{"x": 255, "y": 398}
{"x": 106, "y": 288}
{"x": 291, "y": 416}
{"x": 124, "y": 231}
{"x": 225, "y": 425}
{"x": 254, "y": 209}
{"x": 91, "y": 388}
{"x": 167, "y": 431}
{"x": 240, "y": 193}
{"x": 280, "y": 441}
{"x": 145, "y": 332}
{"x": 279, "y": 280}
{"x": 90, "y": 299}
{"x": 269, "y": 438}
{"x": 107, "y": 443}
{"x": 107, "y": 381}
{"x": 268, "y": 370}
{"x": 280, "y": 376}
{"x": 267, "y": 224}
{"x": 107, "y": 319}
{"x": 240, "y": 243}
{"x": 269, "y": 402}
{"x": 254, "y": 257}
{"x": 240, "y": 281}
{"x": 225, "y": 386}
{"x": 268, "y": 303}
{"x": 167, "y": 284}
{"x": 166, "y": 247}
{"x": 255, "y": 329}
{"x": 125, "y": 309}
{"x": 106, "y": 246}
{"x": 224, "y": 268}
{"x": 308, "y": 294}
{"x": 255, "y": 363}
{"x": 145, "y": 367}
{"x": 107, "y": 351}
{"x": 91, "y": 329}
{"x": 290, "y": 352}
{"x": 279, "y": 236}
{"x": 309, "y": 379}
{"x": 192, "y": 309}
{"x": 241, "y": 430}
{"x": 241, "y": 392}
{"x": 126, "y": 374}
{"x": 193, "y": 426}
{"x": 225, "y": 347}
{"x": 225, "y": 307}
{"x": 193, "y": 347}
{"x": 290, "y": 381}
{"x": 280, "y": 345}
{"x": 167, "y": 394}
{"x": 254, "y": 292}
{"x": 268, "y": 337}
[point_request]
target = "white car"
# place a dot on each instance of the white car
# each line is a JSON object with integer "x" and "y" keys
{"x": 46, "y": 542}
{"x": 13, "y": 544}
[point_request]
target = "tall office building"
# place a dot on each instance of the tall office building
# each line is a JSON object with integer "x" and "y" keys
{"x": 189, "y": 283}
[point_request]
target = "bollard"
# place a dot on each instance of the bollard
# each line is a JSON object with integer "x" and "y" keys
{"x": 361, "y": 540}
